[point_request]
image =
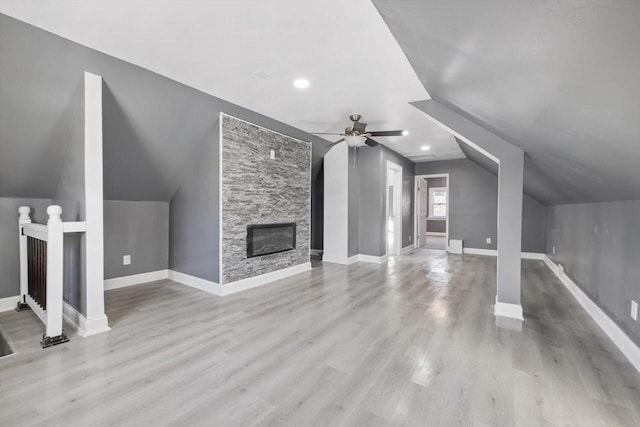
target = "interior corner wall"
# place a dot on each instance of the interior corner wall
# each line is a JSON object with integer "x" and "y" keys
{"x": 9, "y": 249}
{"x": 473, "y": 210}
{"x": 353, "y": 192}
{"x": 371, "y": 167}
{"x": 194, "y": 212}
{"x": 138, "y": 229}
{"x": 370, "y": 200}
{"x": 70, "y": 195}
{"x": 598, "y": 244}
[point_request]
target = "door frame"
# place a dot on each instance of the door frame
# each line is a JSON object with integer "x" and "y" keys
{"x": 416, "y": 212}
{"x": 397, "y": 207}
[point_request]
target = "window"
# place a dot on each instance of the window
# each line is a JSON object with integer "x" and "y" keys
{"x": 438, "y": 202}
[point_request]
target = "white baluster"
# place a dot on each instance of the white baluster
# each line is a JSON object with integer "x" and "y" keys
{"x": 24, "y": 218}
{"x": 55, "y": 243}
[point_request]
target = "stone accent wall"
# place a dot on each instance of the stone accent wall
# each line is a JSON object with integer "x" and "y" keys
{"x": 259, "y": 190}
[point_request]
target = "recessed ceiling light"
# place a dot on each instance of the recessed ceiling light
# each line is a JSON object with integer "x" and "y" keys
{"x": 425, "y": 148}
{"x": 405, "y": 132}
{"x": 301, "y": 83}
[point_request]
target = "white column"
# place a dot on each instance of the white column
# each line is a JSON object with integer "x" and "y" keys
{"x": 24, "y": 218}
{"x": 55, "y": 278}
{"x": 96, "y": 319}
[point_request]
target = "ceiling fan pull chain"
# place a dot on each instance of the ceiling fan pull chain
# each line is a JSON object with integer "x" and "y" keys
{"x": 355, "y": 151}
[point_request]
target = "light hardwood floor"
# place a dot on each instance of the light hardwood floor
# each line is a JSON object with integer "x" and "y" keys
{"x": 410, "y": 343}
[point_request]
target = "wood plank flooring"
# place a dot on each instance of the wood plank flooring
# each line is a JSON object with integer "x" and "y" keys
{"x": 409, "y": 343}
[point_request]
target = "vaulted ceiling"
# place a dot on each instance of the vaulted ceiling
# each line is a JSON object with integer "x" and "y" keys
{"x": 558, "y": 79}
{"x": 250, "y": 52}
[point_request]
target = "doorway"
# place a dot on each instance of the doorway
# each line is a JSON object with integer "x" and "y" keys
{"x": 432, "y": 211}
{"x": 394, "y": 209}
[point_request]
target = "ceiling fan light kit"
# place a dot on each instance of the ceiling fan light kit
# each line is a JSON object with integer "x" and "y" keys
{"x": 355, "y": 141}
{"x": 356, "y": 135}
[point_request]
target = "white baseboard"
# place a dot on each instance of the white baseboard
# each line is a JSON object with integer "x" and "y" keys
{"x": 353, "y": 259}
{"x": 408, "y": 249}
{"x": 372, "y": 259}
{"x": 9, "y": 303}
{"x": 361, "y": 258}
{"x": 263, "y": 279}
{"x": 513, "y": 311}
{"x": 85, "y": 327}
{"x": 494, "y": 252}
{"x": 341, "y": 261}
{"x": 239, "y": 285}
{"x": 613, "y": 331}
{"x": 476, "y": 251}
{"x": 135, "y": 279}
{"x": 533, "y": 255}
{"x": 196, "y": 282}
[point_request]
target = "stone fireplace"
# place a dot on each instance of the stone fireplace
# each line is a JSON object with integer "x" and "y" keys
{"x": 265, "y": 202}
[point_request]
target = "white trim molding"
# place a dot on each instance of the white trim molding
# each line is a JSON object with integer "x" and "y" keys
{"x": 493, "y": 252}
{"x": 478, "y": 251}
{"x": 9, "y": 303}
{"x": 135, "y": 279}
{"x": 263, "y": 279}
{"x": 195, "y": 282}
{"x": 408, "y": 249}
{"x": 513, "y": 311}
{"x": 373, "y": 259}
{"x": 84, "y": 327}
{"x": 613, "y": 331}
{"x": 362, "y": 258}
{"x": 239, "y": 285}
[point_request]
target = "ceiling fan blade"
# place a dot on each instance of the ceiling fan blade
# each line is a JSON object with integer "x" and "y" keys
{"x": 326, "y": 133}
{"x": 371, "y": 143}
{"x": 387, "y": 133}
{"x": 334, "y": 143}
{"x": 359, "y": 127}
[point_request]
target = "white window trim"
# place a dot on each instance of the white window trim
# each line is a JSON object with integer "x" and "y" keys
{"x": 431, "y": 191}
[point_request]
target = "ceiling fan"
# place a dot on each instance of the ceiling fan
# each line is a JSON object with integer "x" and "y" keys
{"x": 356, "y": 135}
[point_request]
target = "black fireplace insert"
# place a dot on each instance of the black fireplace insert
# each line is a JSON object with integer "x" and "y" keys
{"x": 265, "y": 239}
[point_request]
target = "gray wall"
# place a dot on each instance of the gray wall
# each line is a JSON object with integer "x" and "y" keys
{"x": 598, "y": 244}
{"x": 473, "y": 200}
{"x": 9, "y": 251}
{"x": 259, "y": 190}
{"x": 139, "y": 229}
{"x": 371, "y": 167}
{"x": 70, "y": 195}
{"x": 354, "y": 205}
{"x": 194, "y": 218}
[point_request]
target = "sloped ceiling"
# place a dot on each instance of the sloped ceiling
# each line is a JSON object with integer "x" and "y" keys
{"x": 152, "y": 125}
{"x": 557, "y": 79}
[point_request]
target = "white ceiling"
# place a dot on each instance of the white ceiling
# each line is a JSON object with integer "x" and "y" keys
{"x": 249, "y": 53}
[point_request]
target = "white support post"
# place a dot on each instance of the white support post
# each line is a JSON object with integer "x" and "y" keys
{"x": 96, "y": 319}
{"x": 55, "y": 240}
{"x": 24, "y": 218}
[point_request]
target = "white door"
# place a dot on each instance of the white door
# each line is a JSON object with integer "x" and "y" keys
{"x": 423, "y": 200}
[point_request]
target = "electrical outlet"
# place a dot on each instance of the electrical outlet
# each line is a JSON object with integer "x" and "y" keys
{"x": 126, "y": 260}
{"x": 409, "y": 238}
{"x": 553, "y": 250}
{"x": 272, "y": 155}
{"x": 634, "y": 310}
{"x": 488, "y": 240}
